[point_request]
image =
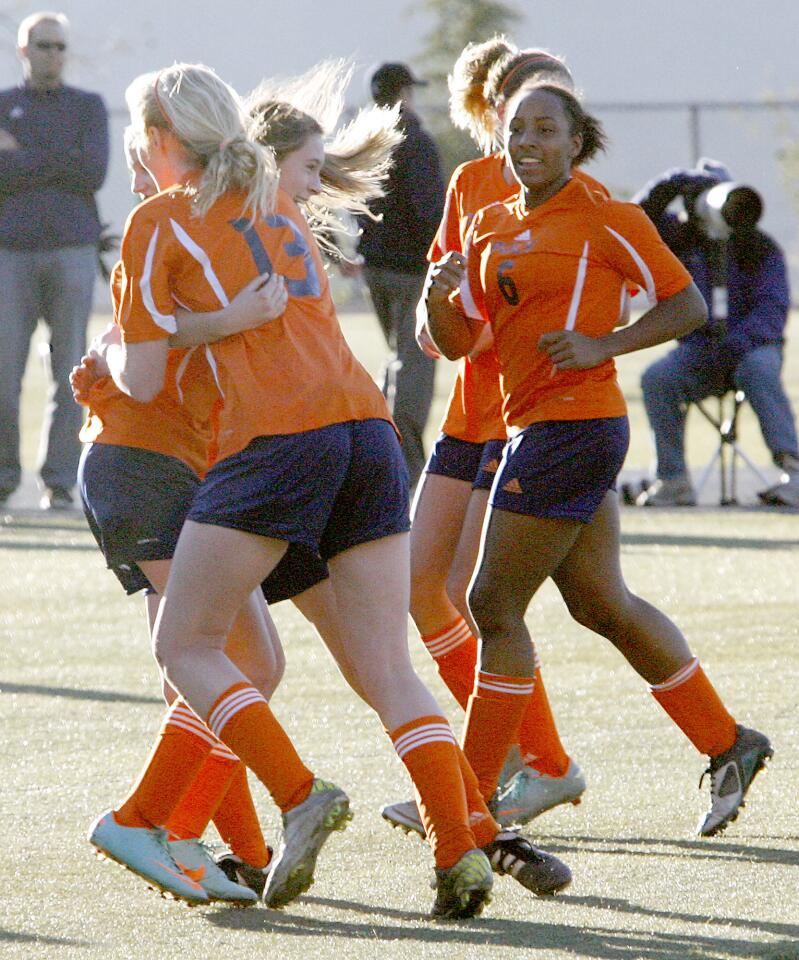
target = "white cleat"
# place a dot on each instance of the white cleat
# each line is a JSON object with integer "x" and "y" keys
{"x": 196, "y": 862}
{"x": 145, "y": 852}
{"x": 530, "y": 793}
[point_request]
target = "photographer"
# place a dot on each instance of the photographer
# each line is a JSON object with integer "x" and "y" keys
{"x": 742, "y": 275}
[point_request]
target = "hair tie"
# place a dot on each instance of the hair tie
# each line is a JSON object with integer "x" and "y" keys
{"x": 225, "y": 143}
{"x": 542, "y": 58}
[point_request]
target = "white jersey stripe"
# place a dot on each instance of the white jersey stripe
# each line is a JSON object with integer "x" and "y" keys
{"x": 646, "y": 273}
{"x": 203, "y": 259}
{"x": 166, "y": 321}
{"x": 577, "y": 293}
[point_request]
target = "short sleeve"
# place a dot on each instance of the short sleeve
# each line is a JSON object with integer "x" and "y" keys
{"x": 635, "y": 249}
{"x": 448, "y": 235}
{"x": 146, "y": 306}
{"x": 470, "y": 292}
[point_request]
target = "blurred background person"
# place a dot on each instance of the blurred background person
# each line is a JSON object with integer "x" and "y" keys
{"x": 742, "y": 275}
{"x": 394, "y": 251}
{"x": 53, "y": 159}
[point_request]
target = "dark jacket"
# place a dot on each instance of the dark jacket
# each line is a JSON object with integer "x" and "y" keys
{"x": 47, "y": 187}
{"x": 412, "y": 207}
{"x": 751, "y": 265}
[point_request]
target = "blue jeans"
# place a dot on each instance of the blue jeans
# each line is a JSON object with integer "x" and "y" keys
{"x": 690, "y": 373}
{"x": 56, "y": 286}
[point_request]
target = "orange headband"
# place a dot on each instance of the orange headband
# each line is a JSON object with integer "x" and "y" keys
{"x": 542, "y": 58}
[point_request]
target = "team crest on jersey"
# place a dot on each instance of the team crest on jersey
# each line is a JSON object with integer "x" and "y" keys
{"x": 521, "y": 243}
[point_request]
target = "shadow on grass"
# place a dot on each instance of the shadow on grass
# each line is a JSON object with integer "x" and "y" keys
{"x": 10, "y": 936}
{"x": 44, "y": 545}
{"x": 686, "y": 540}
{"x": 577, "y": 939}
{"x": 660, "y": 847}
{"x": 35, "y": 520}
{"x": 73, "y": 693}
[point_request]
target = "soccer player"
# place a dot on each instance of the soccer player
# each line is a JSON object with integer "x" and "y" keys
{"x": 547, "y": 269}
{"x": 450, "y": 504}
{"x": 307, "y": 455}
{"x": 139, "y": 470}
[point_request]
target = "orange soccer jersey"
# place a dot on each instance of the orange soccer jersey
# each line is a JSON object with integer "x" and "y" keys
{"x": 167, "y": 424}
{"x": 290, "y": 375}
{"x": 474, "y": 411}
{"x": 563, "y": 265}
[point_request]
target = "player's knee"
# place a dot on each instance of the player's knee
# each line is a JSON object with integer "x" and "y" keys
{"x": 490, "y": 610}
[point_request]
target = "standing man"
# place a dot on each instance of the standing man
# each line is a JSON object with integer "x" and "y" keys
{"x": 394, "y": 250}
{"x": 53, "y": 159}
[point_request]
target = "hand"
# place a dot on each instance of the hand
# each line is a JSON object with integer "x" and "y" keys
{"x": 7, "y": 141}
{"x": 446, "y": 275}
{"x": 426, "y": 343}
{"x": 84, "y": 377}
{"x": 570, "y": 350}
{"x": 262, "y": 300}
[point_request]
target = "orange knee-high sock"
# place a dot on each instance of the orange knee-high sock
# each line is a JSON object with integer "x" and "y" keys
{"x": 243, "y": 720}
{"x": 428, "y": 748}
{"x": 180, "y": 751}
{"x": 493, "y": 719}
{"x": 454, "y": 649}
{"x": 238, "y": 824}
{"x": 539, "y": 741}
{"x": 690, "y": 699}
{"x": 484, "y": 826}
{"x": 200, "y": 802}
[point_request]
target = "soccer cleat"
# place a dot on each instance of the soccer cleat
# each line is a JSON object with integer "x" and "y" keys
{"x": 542, "y": 873}
{"x": 145, "y": 852}
{"x": 195, "y": 861}
{"x": 530, "y": 793}
{"x": 463, "y": 890}
{"x": 404, "y": 815}
{"x": 671, "y": 492}
{"x": 731, "y": 775}
{"x": 238, "y": 871}
{"x": 305, "y": 829}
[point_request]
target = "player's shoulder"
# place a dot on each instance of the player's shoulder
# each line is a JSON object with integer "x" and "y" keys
{"x": 475, "y": 171}
{"x": 164, "y": 208}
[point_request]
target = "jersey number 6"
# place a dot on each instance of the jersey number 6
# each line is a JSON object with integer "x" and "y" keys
{"x": 505, "y": 283}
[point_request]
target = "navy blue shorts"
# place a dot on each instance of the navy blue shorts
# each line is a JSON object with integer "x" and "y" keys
{"x": 490, "y": 462}
{"x": 465, "y": 460}
{"x": 325, "y": 490}
{"x": 135, "y": 502}
{"x": 561, "y": 468}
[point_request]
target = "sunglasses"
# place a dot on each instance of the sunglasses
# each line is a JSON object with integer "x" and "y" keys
{"x": 50, "y": 45}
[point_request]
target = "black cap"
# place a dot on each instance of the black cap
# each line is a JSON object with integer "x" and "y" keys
{"x": 389, "y": 78}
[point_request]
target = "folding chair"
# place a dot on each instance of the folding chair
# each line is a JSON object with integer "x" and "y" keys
{"x": 728, "y": 452}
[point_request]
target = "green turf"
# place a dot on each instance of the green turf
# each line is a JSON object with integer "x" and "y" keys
{"x": 79, "y": 706}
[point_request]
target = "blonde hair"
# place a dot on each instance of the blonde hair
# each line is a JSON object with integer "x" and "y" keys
{"x": 358, "y": 155}
{"x": 44, "y": 16}
{"x": 208, "y": 119}
{"x": 486, "y": 75}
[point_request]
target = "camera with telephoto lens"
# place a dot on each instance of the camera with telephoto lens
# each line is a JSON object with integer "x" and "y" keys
{"x": 728, "y": 208}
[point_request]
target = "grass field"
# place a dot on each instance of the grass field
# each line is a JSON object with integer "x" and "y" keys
{"x": 79, "y": 706}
